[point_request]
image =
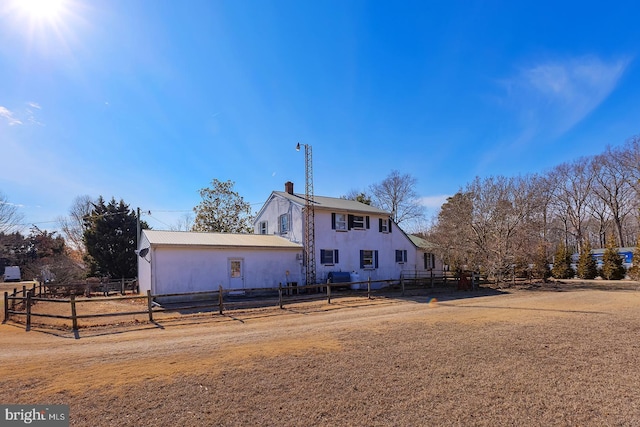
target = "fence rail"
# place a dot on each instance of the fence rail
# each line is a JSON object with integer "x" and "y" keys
{"x": 21, "y": 302}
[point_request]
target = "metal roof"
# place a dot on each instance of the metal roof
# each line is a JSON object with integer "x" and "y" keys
{"x": 189, "y": 238}
{"x": 334, "y": 203}
{"x": 420, "y": 242}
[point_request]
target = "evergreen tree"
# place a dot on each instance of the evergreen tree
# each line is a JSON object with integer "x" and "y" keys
{"x": 634, "y": 271}
{"x": 110, "y": 238}
{"x": 562, "y": 263}
{"x": 587, "y": 267}
{"x": 540, "y": 269}
{"x": 612, "y": 264}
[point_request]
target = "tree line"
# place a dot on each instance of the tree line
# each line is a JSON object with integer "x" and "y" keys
{"x": 97, "y": 239}
{"x": 500, "y": 224}
{"x": 497, "y": 225}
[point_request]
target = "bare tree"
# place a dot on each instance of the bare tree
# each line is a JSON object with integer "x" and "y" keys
{"x": 612, "y": 180}
{"x": 10, "y": 216}
{"x": 72, "y": 226}
{"x": 504, "y": 210}
{"x": 184, "y": 223}
{"x": 574, "y": 185}
{"x": 396, "y": 194}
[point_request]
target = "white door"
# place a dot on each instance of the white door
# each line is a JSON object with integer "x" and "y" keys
{"x": 236, "y": 273}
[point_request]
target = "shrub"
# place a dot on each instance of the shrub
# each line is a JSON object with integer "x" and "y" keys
{"x": 587, "y": 267}
{"x": 634, "y": 271}
{"x": 562, "y": 263}
{"x": 612, "y": 265}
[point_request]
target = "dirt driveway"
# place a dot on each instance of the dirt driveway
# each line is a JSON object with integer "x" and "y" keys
{"x": 567, "y": 355}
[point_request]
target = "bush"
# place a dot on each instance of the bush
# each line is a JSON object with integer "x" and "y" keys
{"x": 587, "y": 267}
{"x": 634, "y": 271}
{"x": 612, "y": 264}
{"x": 562, "y": 263}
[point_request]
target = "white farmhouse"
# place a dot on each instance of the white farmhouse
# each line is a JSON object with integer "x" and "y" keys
{"x": 349, "y": 236}
{"x": 181, "y": 262}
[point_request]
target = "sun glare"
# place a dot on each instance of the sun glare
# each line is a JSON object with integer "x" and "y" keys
{"x": 41, "y": 10}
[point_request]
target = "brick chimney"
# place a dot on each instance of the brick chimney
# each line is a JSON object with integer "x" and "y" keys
{"x": 288, "y": 187}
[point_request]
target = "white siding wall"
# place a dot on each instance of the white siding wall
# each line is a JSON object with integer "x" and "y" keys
{"x": 144, "y": 267}
{"x": 275, "y": 207}
{"x": 350, "y": 243}
{"x": 203, "y": 269}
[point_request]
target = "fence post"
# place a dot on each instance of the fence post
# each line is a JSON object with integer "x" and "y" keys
{"x": 402, "y": 284}
{"x": 220, "y": 298}
{"x": 28, "y": 310}
{"x": 13, "y": 301}
{"x": 24, "y": 291}
{"x": 6, "y": 306}
{"x": 122, "y": 286}
{"x": 328, "y": 291}
{"x": 74, "y": 315}
{"x": 280, "y": 294}
{"x": 369, "y": 288}
{"x": 150, "y": 305}
{"x": 431, "y": 274}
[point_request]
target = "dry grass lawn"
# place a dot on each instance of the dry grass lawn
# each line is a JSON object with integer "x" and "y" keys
{"x": 563, "y": 355}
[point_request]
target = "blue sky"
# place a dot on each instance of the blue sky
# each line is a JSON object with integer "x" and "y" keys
{"x": 148, "y": 101}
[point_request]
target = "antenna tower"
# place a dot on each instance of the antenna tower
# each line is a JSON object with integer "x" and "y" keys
{"x": 309, "y": 218}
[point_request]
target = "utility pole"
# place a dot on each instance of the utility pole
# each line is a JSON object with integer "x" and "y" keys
{"x": 309, "y": 217}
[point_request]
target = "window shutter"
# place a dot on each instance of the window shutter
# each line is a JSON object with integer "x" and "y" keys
{"x": 380, "y": 225}
{"x": 350, "y": 221}
{"x": 375, "y": 257}
{"x": 389, "y": 225}
{"x": 335, "y": 255}
{"x": 333, "y": 220}
{"x": 361, "y": 259}
{"x": 367, "y": 220}
{"x": 322, "y": 256}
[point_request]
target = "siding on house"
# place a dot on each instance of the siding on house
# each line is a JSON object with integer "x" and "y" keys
{"x": 367, "y": 233}
{"x": 193, "y": 262}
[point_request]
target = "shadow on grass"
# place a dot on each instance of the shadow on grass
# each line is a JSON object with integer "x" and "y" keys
{"x": 493, "y": 307}
{"x": 580, "y": 285}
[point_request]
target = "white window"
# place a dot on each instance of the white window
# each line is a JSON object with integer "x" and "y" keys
{"x": 340, "y": 221}
{"x": 368, "y": 259}
{"x": 284, "y": 223}
{"x": 262, "y": 228}
{"x": 384, "y": 225}
{"x": 429, "y": 261}
{"x": 401, "y": 256}
{"x": 328, "y": 256}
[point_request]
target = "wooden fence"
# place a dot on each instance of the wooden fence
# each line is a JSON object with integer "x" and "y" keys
{"x": 21, "y": 302}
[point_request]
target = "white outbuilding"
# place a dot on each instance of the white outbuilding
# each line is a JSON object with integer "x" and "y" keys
{"x": 181, "y": 262}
